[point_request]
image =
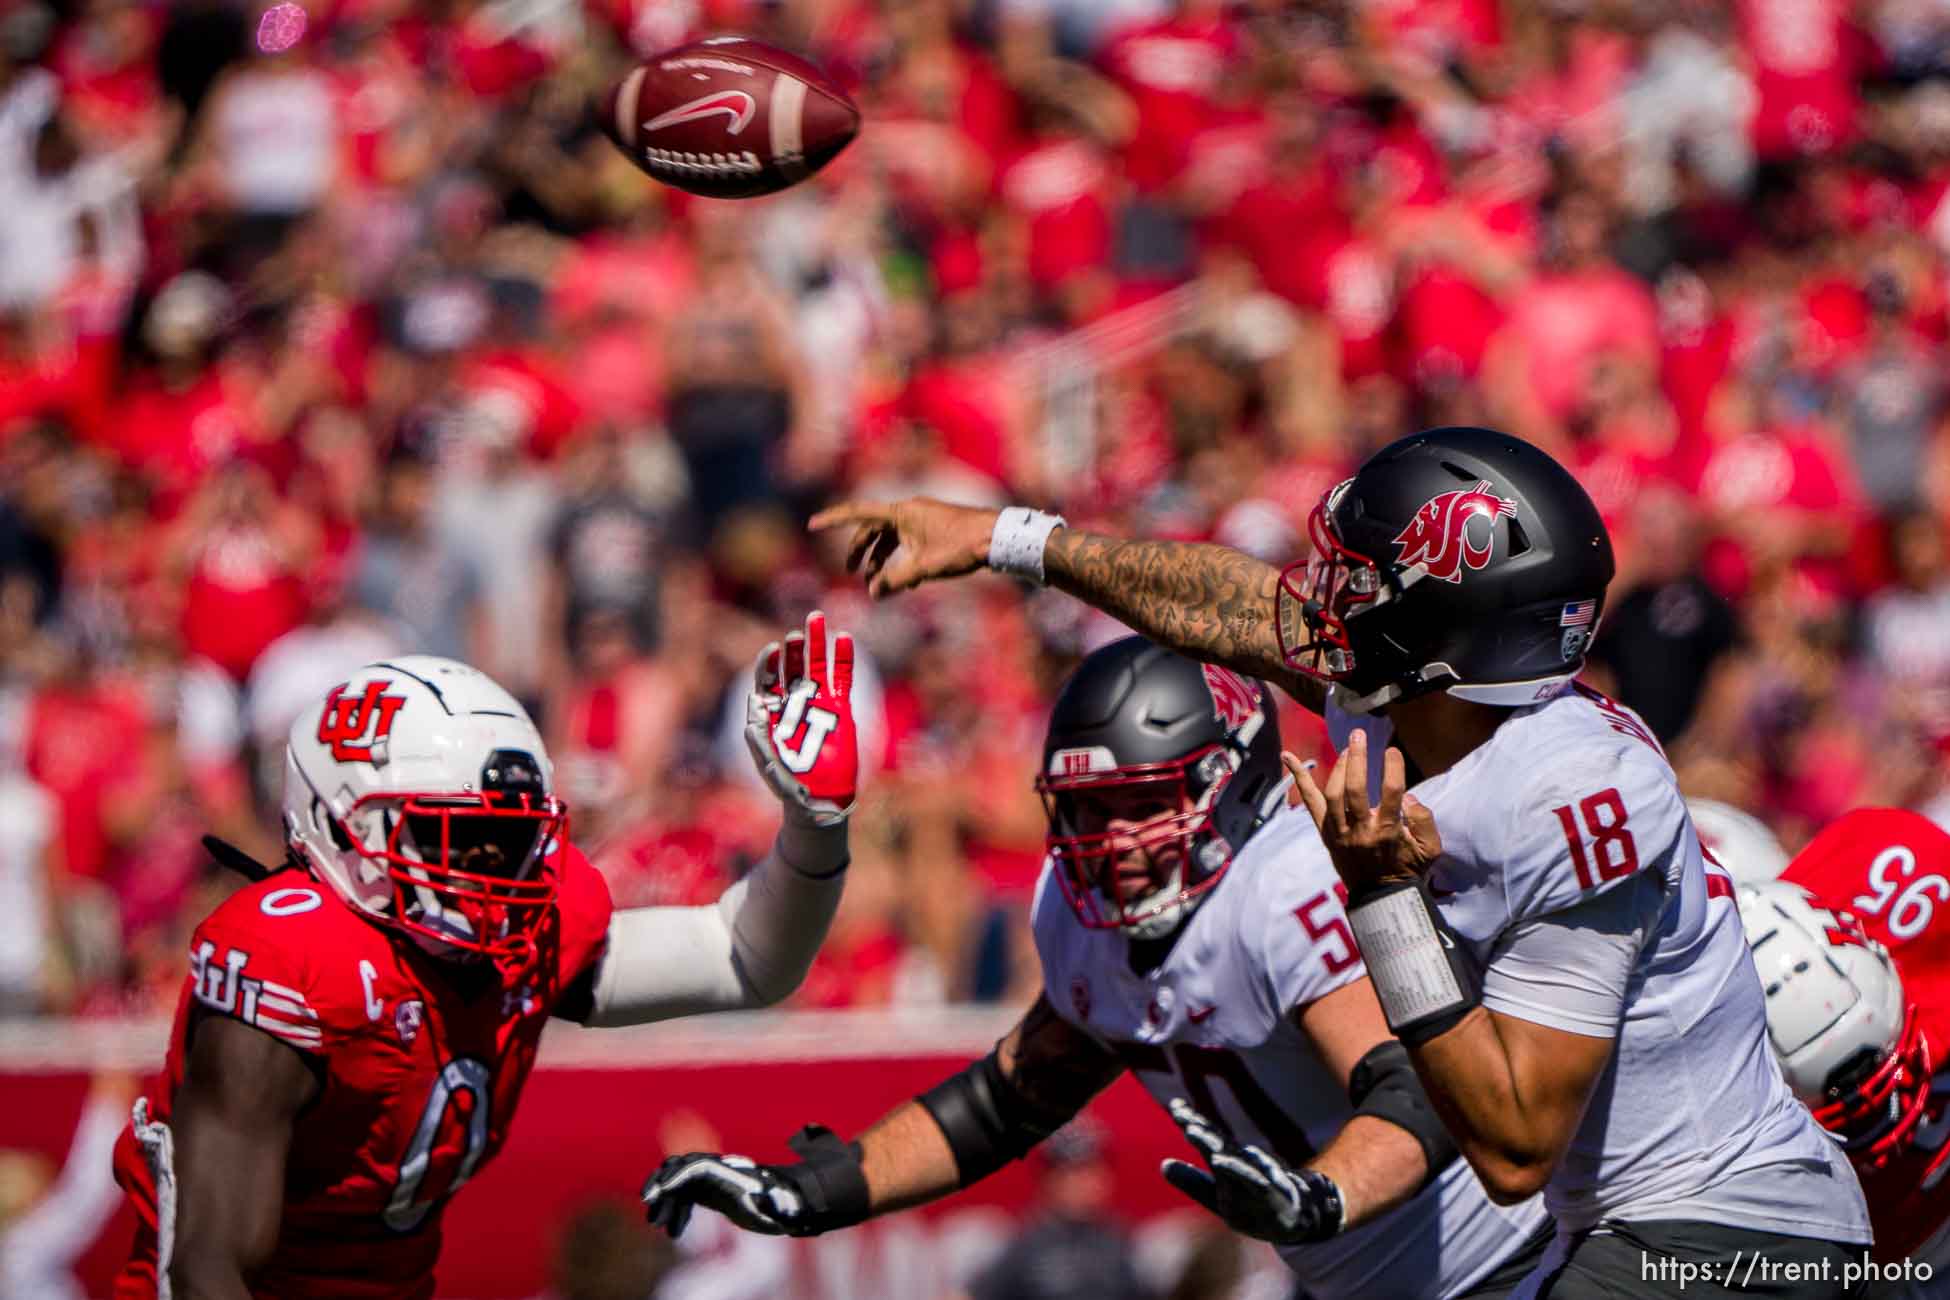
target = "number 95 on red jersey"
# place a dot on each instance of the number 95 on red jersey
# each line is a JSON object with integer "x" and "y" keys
{"x": 1889, "y": 870}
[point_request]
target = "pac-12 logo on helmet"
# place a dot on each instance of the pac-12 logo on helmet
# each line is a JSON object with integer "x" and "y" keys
{"x": 353, "y": 727}
{"x": 1438, "y": 537}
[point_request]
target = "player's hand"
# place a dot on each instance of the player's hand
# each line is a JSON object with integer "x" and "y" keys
{"x": 755, "y": 1197}
{"x": 799, "y": 724}
{"x": 1397, "y": 840}
{"x": 906, "y": 543}
{"x": 824, "y": 1190}
{"x": 1253, "y": 1191}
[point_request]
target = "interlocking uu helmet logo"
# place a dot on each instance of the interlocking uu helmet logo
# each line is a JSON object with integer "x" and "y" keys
{"x": 352, "y": 727}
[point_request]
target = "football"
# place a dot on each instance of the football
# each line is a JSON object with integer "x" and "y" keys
{"x": 728, "y": 118}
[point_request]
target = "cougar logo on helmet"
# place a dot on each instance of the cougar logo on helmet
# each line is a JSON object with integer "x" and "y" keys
{"x": 352, "y": 727}
{"x": 1233, "y": 699}
{"x": 1438, "y": 536}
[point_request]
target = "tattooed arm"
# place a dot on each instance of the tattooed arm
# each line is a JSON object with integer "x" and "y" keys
{"x": 1204, "y": 601}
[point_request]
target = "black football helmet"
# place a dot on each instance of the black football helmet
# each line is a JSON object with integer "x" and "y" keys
{"x": 1455, "y": 559}
{"x": 1153, "y": 758}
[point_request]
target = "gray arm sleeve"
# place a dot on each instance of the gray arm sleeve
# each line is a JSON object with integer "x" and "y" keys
{"x": 1570, "y": 970}
{"x": 43, "y": 1244}
{"x": 749, "y": 949}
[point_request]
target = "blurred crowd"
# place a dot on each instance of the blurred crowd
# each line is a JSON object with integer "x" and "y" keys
{"x": 336, "y": 330}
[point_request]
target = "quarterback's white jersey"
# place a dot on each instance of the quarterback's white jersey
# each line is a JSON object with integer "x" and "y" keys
{"x": 1214, "y": 1024}
{"x": 1691, "y": 1118}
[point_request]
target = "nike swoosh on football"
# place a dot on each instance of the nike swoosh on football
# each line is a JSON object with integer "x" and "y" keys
{"x": 734, "y": 104}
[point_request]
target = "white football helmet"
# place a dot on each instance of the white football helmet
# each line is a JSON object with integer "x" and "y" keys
{"x": 1848, "y": 1042}
{"x": 1738, "y": 841}
{"x": 422, "y": 793}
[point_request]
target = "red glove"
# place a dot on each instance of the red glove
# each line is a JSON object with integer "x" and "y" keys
{"x": 799, "y": 724}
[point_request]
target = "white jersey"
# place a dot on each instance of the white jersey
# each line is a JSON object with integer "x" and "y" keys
{"x": 1214, "y": 1023}
{"x": 1691, "y": 1118}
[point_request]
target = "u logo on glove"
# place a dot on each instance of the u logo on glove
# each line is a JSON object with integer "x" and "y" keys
{"x": 799, "y": 722}
{"x": 809, "y": 727}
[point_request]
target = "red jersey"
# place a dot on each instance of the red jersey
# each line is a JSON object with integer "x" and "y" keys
{"x": 1891, "y": 870}
{"x": 420, "y": 1073}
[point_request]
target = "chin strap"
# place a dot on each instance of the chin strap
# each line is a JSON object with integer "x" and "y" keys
{"x": 228, "y": 855}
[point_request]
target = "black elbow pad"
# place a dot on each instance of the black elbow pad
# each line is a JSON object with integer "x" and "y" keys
{"x": 986, "y": 1119}
{"x": 1383, "y": 1084}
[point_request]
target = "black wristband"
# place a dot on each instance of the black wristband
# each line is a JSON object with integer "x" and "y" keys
{"x": 1384, "y": 1084}
{"x": 829, "y": 1178}
{"x": 985, "y": 1120}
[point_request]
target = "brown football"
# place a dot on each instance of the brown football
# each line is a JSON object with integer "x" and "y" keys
{"x": 728, "y": 118}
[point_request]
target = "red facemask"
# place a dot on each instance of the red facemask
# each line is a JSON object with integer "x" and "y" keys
{"x": 1087, "y": 853}
{"x": 481, "y": 857}
{"x": 1878, "y": 1116}
{"x": 1325, "y": 590}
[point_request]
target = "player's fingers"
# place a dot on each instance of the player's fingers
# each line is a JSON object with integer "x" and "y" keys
{"x": 793, "y": 666}
{"x": 1354, "y": 797}
{"x": 758, "y": 740}
{"x": 1197, "y": 1129}
{"x": 711, "y": 1175}
{"x": 1394, "y": 784}
{"x": 1306, "y": 792}
{"x": 1419, "y": 818}
{"x": 1270, "y": 1169}
{"x": 886, "y": 543}
{"x": 660, "y": 1210}
{"x": 658, "y": 1204}
{"x": 1193, "y": 1181}
{"x": 901, "y": 571}
{"x": 816, "y": 652}
{"x": 671, "y": 1213}
{"x": 842, "y": 665}
{"x": 908, "y": 574}
{"x": 1334, "y": 794}
{"x": 851, "y": 512}
{"x": 1230, "y": 1164}
{"x": 765, "y": 677}
{"x": 856, "y": 548}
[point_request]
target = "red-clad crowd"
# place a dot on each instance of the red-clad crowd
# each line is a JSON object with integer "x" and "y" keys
{"x": 332, "y": 330}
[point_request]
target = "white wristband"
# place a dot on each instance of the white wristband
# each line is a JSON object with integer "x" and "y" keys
{"x": 1419, "y": 978}
{"x": 1016, "y": 545}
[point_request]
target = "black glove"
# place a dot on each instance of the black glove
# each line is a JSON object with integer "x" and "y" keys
{"x": 1251, "y": 1190}
{"x": 826, "y": 1190}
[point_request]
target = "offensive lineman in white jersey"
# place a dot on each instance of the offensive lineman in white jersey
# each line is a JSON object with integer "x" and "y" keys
{"x": 1190, "y": 931}
{"x": 1572, "y": 985}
